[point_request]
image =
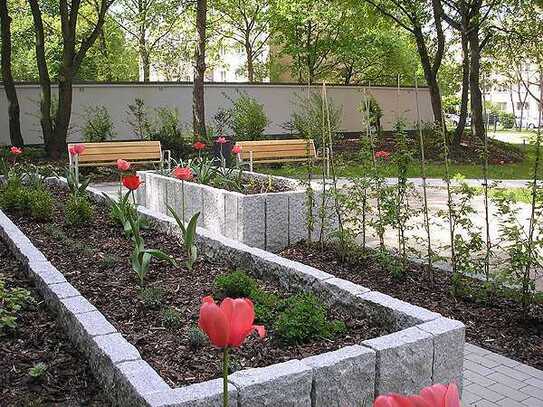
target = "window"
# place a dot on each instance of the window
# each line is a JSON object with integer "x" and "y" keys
{"x": 223, "y": 76}
{"x": 501, "y": 106}
{"x": 522, "y": 106}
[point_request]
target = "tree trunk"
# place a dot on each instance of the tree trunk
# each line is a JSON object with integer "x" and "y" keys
{"x": 198, "y": 104}
{"x": 465, "y": 93}
{"x": 430, "y": 76}
{"x": 7, "y": 78}
{"x": 477, "y": 119}
{"x": 145, "y": 63}
{"x": 250, "y": 61}
{"x": 46, "y": 120}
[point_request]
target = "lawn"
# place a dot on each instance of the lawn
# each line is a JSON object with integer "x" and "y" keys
{"x": 349, "y": 167}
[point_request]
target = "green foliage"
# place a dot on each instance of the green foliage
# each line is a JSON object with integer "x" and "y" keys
{"x": 98, "y": 125}
{"x": 13, "y": 195}
{"x": 196, "y": 337}
{"x": 41, "y": 204}
{"x": 122, "y": 210}
{"x": 507, "y": 120}
{"x": 78, "y": 210}
{"x": 152, "y": 297}
{"x": 138, "y": 118}
{"x": 76, "y": 183}
{"x": 236, "y": 285}
{"x": 307, "y": 119}
{"x": 304, "y": 319}
{"x": 11, "y": 302}
{"x": 189, "y": 236}
{"x": 247, "y": 118}
{"x": 171, "y": 318}
{"x": 166, "y": 128}
{"x": 37, "y": 371}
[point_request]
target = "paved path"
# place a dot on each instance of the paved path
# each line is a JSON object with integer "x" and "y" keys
{"x": 492, "y": 380}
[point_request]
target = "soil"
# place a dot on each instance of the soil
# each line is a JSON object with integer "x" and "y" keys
{"x": 95, "y": 259}
{"x": 497, "y": 324}
{"x": 38, "y": 339}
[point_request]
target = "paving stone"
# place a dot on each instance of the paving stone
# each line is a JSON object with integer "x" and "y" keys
{"x": 285, "y": 384}
{"x": 483, "y": 360}
{"x": 507, "y": 402}
{"x": 534, "y": 382}
{"x": 508, "y": 381}
{"x": 207, "y": 394}
{"x": 477, "y": 368}
{"x": 484, "y": 392}
{"x": 533, "y": 392}
{"x": 508, "y": 391}
{"x": 344, "y": 378}
{"x": 399, "y": 314}
{"x": 502, "y": 360}
{"x": 532, "y": 402}
{"x": 484, "y": 403}
{"x": 511, "y": 372}
{"x": 404, "y": 361}
{"x": 529, "y": 370}
{"x": 479, "y": 379}
{"x": 468, "y": 397}
{"x": 449, "y": 338}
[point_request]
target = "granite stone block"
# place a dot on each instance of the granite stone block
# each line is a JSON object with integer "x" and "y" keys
{"x": 213, "y": 212}
{"x": 277, "y": 221}
{"x": 251, "y": 220}
{"x": 206, "y": 394}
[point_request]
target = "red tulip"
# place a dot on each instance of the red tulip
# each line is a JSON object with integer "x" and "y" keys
{"x": 76, "y": 149}
{"x": 132, "y": 182}
{"x": 236, "y": 149}
{"x": 221, "y": 140}
{"x": 199, "y": 145}
{"x": 231, "y": 323}
{"x": 15, "y": 150}
{"x": 123, "y": 165}
{"x": 440, "y": 395}
{"x": 183, "y": 173}
{"x": 382, "y": 154}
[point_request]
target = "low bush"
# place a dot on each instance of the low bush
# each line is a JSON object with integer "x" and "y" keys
{"x": 236, "y": 285}
{"x": 41, "y": 204}
{"x": 98, "y": 125}
{"x": 78, "y": 210}
{"x": 13, "y": 195}
{"x": 507, "y": 120}
{"x": 36, "y": 201}
{"x": 12, "y": 301}
{"x": 304, "y": 318}
{"x": 152, "y": 297}
{"x": 197, "y": 338}
{"x": 171, "y": 318}
{"x": 247, "y": 118}
{"x": 167, "y": 129}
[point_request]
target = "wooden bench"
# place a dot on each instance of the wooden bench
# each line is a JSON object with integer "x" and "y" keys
{"x": 276, "y": 151}
{"x": 107, "y": 153}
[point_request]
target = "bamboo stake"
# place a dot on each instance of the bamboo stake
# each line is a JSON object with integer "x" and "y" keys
{"x": 485, "y": 188}
{"x": 424, "y": 188}
{"x": 449, "y": 193}
{"x": 324, "y": 152}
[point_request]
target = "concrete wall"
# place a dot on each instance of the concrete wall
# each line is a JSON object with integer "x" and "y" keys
{"x": 278, "y": 100}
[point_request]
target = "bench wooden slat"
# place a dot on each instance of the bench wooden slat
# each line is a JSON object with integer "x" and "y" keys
{"x": 114, "y": 156}
{"x": 142, "y": 149}
{"x": 119, "y": 143}
{"x": 286, "y": 142}
{"x": 107, "y": 153}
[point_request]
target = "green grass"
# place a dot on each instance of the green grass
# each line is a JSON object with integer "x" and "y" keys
{"x": 521, "y": 170}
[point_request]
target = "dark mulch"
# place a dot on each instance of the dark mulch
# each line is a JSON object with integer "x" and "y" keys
{"x": 36, "y": 339}
{"x": 95, "y": 259}
{"x": 497, "y": 325}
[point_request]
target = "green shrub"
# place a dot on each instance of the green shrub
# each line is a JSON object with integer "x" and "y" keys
{"x": 13, "y": 195}
{"x": 167, "y": 129}
{"x": 37, "y": 372}
{"x": 304, "y": 319}
{"x": 236, "y": 285}
{"x": 247, "y": 118}
{"x": 12, "y": 300}
{"x": 507, "y": 120}
{"x": 41, "y": 204}
{"x": 152, "y": 297}
{"x": 265, "y": 305}
{"x": 78, "y": 210}
{"x": 197, "y": 338}
{"x": 98, "y": 125}
{"x": 171, "y": 318}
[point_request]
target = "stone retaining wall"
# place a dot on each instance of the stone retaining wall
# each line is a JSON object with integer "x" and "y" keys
{"x": 270, "y": 221}
{"x": 427, "y": 348}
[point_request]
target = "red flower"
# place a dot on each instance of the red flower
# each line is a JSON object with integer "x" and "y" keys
{"x": 15, "y": 150}
{"x": 183, "y": 173}
{"x": 437, "y": 395}
{"x": 132, "y": 182}
{"x": 236, "y": 149}
{"x": 231, "y": 323}
{"x": 76, "y": 149}
{"x": 382, "y": 154}
{"x": 221, "y": 140}
{"x": 123, "y": 165}
{"x": 199, "y": 145}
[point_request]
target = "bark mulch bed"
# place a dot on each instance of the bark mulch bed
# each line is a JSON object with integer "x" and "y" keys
{"x": 497, "y": 325}
{"x": 95, "y": 259}
{"x": 38, "y": 339}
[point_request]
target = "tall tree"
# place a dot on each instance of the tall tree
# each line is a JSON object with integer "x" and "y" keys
{"x": 247, "y": 23}
{"x": 424, "y": 20}
{"x": 198, "y": 102}
{"x": 149, "y": 23}
{"x": 7, "y": 77}
{"x": 55, "y": 129}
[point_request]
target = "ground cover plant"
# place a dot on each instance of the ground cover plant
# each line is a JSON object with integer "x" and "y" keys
{"x": 38, "y": 365}
{"x": 161, "y": 321}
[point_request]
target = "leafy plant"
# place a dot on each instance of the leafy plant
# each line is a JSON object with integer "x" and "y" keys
{"x": 247, "y": 118}
{"x": 41, "y": 204}
{"x": 141, "y": 257}
{"x": 137, "y": 118}
{"x": 76, "y": 183}
{"x": 11, "y": 302}
{"x": 304, "y": 319}
{"x": 167, "y": 129}
{"x": 122, "y": 210}
{"x": 236, "y": 284}
{"x": 78, "y": 210}
{"x": 37, "y": 371}
{"x": 171, "y": 318}
{"x": 197, "y": 338}
{"x": 98, "y": 125}
{"x": 189, "y": 236}
{"x": 152, "y": 297}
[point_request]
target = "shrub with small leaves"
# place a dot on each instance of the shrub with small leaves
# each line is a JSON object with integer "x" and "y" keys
{"x": 14, "y": 196}
{"x": 197, "y": 338}
{"x": 152, "y": 297}
{"x": 171, "y": 318}
{"x": 11, "y": 301}
{"x": 37, "y": 371}
{"x": 78, "y": 210}
{"x": 235, "y": 285}
{"x": 41, "y": 204}
{"x": 304, "y": 319}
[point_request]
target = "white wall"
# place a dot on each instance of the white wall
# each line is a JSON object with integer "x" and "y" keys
{"x": 278, "y": 101}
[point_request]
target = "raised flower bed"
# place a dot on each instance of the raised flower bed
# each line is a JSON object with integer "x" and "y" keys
{"x": 269, "y": 221}
{"x": 84, "y": 274}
